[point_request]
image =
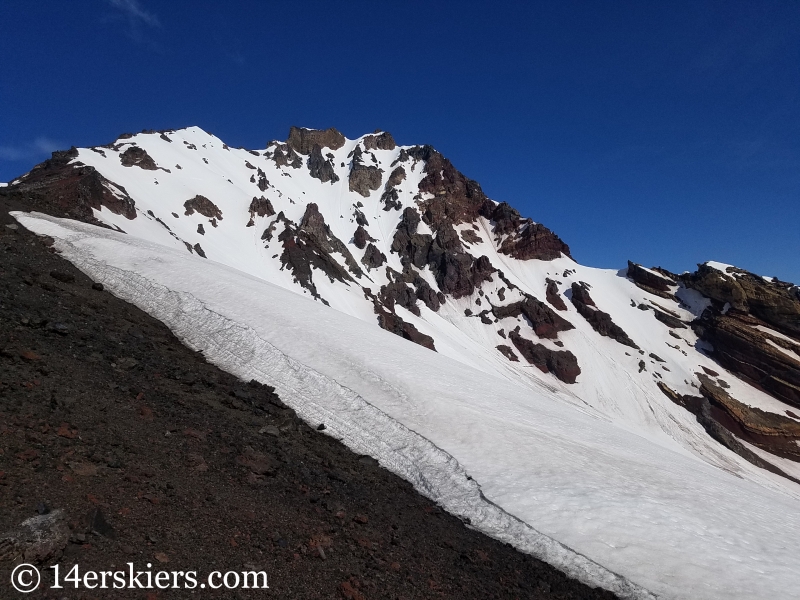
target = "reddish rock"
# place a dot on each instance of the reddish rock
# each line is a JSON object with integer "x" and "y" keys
{"x": 373, "y": 258}
{"x": 553, "y": 297}
{"x": 363, "y": 178}
{"x": 361, "y": 237}
{"x": 561, "y": 363}
{"x": 545, "y": 322}
{"x": 320, "y": 167}
{"x": 600, "y": 321}
{"x": 261, "y": 207}
{"x": 303, "y": 140}
{"x": 380, "y": 141}
{"x": 63, "y": 188}
{"x": 650, "y": 280}
{"x": 204, "y": 206}
{"x": 507, "y": 352}
{"x": 137, "y": 157}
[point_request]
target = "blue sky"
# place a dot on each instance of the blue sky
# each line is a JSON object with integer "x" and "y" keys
{"x": 663, "y": 132}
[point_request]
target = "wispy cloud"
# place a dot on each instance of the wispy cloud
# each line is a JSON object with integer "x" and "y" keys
{"x": 138, "y": 20}
{"x": 135, "y": 14}
{"x": 35, "y": 149}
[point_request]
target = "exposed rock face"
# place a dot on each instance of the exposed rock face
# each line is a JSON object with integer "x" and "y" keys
{"x": 561, "y": 363}
{"x": 262, "y": 180}
{"x": 381, "y": 141}
{"x": 750, "y": 325}
{"x": 363, "y": 179}
{"x": 553, "y": 297}
{"x": 508, "y": 352}
{"x": 600, "y": 321}
{"x": 650, "y": 280}
{"x": 261, "y": 207}
{"x": 204, "y": 206}
{"x": 396, "y": 177}
{"x": 456, "y": 199}
{"x": 412, "y": 247}
{"x": 64, "y": 189}
{"x": 361, "y": 237}
{"x": 545, "y": 322}
{"x": 303, "y": 140}
{"x": 754, "y": 420}
{"x": 727, "y": 420}
{"x": 669, "y": 320}
{"x": 775, "y": 302}
{"x": 526, "y": 239}
{"x": 580, "y": 292}
{"x": 310, "y": 245}
{"x": 320, "y": 167}
{"x": 391, "y": 322}
{"x": 457, "y": 272}
{"x": 764, "y": 359}
{"x": 391, "y": 197}
{"x": 534, "y": 241}
{"x": 137, "y": 157}
{"x": 373, "y": 258}
{"x": 285, "y": 156}
{"x": 399, "y": 293}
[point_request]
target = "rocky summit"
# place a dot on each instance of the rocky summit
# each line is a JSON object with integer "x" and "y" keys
{"x": 703, "y": 366}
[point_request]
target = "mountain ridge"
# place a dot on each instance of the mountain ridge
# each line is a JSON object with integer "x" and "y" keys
{"x": 704, "y": 364}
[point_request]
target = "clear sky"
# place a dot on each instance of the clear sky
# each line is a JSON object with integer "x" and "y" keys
{"x": 667, "y": 132}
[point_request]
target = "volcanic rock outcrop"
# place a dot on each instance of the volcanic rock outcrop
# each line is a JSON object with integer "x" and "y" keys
{"x": 137, "y": 157}
{"x": 562, "y": 363}
{"x": 753, "y": 326}
{"x": 204, "y": 206}
{"x": 600, "y": 321}
{"x": 303, "y": 140}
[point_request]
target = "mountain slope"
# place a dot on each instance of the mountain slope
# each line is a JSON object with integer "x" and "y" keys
{"x": 396, "y": 237}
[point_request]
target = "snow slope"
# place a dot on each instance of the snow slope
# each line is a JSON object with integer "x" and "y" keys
{"x": 606, "y": 477}
{"x": 665, "y": 521}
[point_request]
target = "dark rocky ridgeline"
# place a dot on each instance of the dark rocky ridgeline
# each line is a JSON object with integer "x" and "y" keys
{"x": 363, "y": 178}
{"x": 303, "y": 140}
{"x": 310, "y": 244}
{"x": 153, "y": 454}
{"x": 203, "y": 206}
{"x": 63, "y": 188}
{"x": 651, "y": 281}
{"x": 740, "y": 302}
{"x": 379, "y": 140}
{"x": 600, "y": 321}
{"x": 553, "y": 297}
{"x": 562, "y": 363}
{"x": 526, "y": 240}
{"x": 137, "y": 157}
{"x": 321, "y": 167}
{"x": 261, "y": 207}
